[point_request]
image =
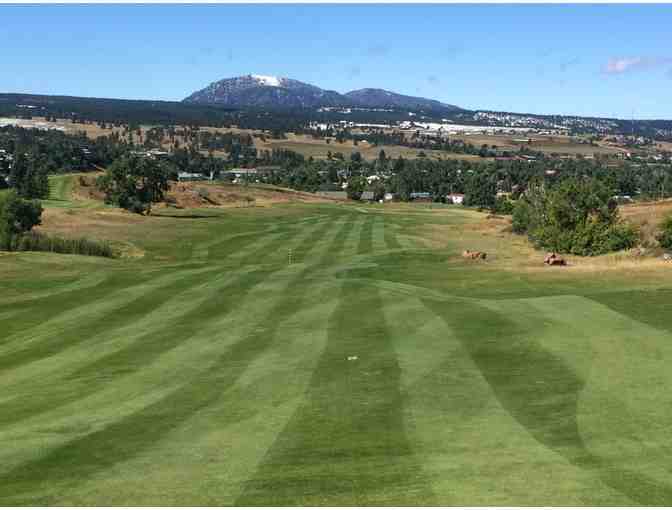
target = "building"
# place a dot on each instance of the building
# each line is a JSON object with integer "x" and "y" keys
{"x": 422, "y": 196}
{"x": 243, "y": 174}
{"x": 455, "y": 198}
{"x": 187, "y": 176}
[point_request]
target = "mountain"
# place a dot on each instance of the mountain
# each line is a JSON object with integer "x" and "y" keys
{"x": 266, "y": 91}
{"x": 379, "y": 98}
{"x": 256, "y": 90}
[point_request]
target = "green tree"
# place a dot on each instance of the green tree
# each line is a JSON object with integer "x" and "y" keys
{"x": 29, "y": 174}
{"x": 356, "y": 185}
{"x": 481, "y": 190}
{"x": 378, "y": 191}
{"x": 135, "y": 182}
{"x": 17, "y": 216}
{"x": 576, "y": 216}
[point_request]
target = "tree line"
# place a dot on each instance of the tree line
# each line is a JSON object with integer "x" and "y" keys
{"x": 29, "y": 156}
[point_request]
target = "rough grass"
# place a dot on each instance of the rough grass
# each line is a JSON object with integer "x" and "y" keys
{"x": 373, "y": 367}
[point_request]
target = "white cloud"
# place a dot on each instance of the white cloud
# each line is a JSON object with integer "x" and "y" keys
{"x": 620, "y": 65}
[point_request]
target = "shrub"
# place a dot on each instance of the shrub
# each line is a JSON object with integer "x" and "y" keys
{"x": 665, "y": 235}
{"x": 578, "y": 216}
{"x": 520, "y": 222}
{"x": 503, "y": 206}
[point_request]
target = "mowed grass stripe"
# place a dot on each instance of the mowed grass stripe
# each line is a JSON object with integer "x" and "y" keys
{"x": 275, "y": 248}
{"x": 390, "y": 229}
{"x": 75, "y": 461}
{"x": 35, "y": 312}
{"x": 184, "y": 362}
{"x": 203, "y": 251}
{"x": 301, "y": 309}
{"x": 347, "y": 444}
{"x": 259, "y": 256}
{"x": 337, "y": 244}
{"x": 365, "y": 244}
{"x": 218, "y": 449}
{"x": 538, "y": 389}
{"x": 124, "y": 439}
{"x": 239, "y": 322}
{"x": 88, "y": 321}
{"x": 301, "y": 315}
{"x": 85, "y": 281}
{"x": 379, "y": 234}
{"x": 302, "y": 250}
{"x": 230, "y": 246}
{"x": 168, "y": 325}
{"x": 351, "y": 243}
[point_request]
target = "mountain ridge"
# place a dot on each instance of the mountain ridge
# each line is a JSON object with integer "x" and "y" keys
{"x": 255, "y": 90}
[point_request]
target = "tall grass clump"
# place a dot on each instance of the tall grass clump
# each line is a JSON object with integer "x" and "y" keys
{"x": 35, "y": 241}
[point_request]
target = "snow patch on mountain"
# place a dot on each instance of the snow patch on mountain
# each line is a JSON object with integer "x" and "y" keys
{"x": 269, "y": 81}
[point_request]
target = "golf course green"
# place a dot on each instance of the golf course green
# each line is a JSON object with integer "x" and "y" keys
{"x": 329, "y": 354}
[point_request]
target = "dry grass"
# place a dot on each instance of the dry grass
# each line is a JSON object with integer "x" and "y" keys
{"x": 84, "y": 187}
{"x": 319, "y": 148}
{"x": 647, "y": 217}
{"x": 666, "y": 146}
{"x": 514, "y": 253}
{"x": 542, "y": 143}
{"x": 186, "y": 195}
{"x": 651, "y": 211}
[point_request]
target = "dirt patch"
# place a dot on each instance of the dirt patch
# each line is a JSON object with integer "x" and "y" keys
{"x": 191, "y": 195}
{"x": 187, "y": 195}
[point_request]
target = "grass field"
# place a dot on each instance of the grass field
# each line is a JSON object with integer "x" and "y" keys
{"x": 329, "y": 354}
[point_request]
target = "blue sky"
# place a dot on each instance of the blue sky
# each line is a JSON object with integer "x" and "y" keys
{"x": 606, "y": 60}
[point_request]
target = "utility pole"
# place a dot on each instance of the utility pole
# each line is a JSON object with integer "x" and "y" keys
{"x": 290, "y": 256}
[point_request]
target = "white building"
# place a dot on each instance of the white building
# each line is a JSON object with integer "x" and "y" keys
{"x": 455, "y": 198}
